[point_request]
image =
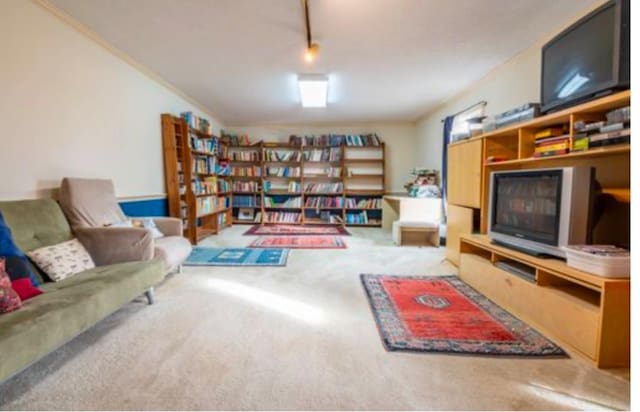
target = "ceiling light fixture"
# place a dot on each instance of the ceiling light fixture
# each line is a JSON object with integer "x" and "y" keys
{"x": 312, "y": 48}
{"x": 313, "y": 90}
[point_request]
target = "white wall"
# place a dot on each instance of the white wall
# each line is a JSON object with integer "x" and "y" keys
{"x": 512, "y": 84}
{"x": 400, "y": 140}
{"x": 70, "y": 107}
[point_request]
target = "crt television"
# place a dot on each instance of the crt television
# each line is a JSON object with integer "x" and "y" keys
{"x": 588, "y": 59}
{"x": 540, "y": 211}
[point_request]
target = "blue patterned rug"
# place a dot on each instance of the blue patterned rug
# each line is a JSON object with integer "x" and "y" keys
{"x": 208, "y": 256}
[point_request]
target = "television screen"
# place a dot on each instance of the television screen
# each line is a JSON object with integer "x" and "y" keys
{"x": 581, "y": 61}
{"x": 527, "y": 205}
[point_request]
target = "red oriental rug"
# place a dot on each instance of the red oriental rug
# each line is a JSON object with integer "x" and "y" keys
{"x": 444, "y": 314}
{"x": 299, "y": 242}
{"x": 296, "y": 230}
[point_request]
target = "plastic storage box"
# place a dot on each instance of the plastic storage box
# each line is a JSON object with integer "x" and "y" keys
{"x": 602, "y": 260}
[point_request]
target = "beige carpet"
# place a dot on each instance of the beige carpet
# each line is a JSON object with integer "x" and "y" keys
{"x": 297, "y": 337}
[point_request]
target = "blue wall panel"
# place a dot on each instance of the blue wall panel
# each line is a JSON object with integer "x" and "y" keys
{"x": 149, "y": 207}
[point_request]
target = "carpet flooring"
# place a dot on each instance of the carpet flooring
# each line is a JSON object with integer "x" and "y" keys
{"x": 294, "y": 337}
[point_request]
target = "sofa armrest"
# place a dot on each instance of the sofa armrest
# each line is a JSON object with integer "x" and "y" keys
{"x": 169, "y": 226}
{"x": 109, "y": 245}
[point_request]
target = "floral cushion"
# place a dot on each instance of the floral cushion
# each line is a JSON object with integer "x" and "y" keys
{"x": 9, "y": 299}
{"x": 62, "y": 260}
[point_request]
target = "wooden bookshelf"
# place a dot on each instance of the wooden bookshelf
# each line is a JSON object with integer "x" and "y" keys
{"x": 311, "y": 172}
{"x": 189, "y": 187}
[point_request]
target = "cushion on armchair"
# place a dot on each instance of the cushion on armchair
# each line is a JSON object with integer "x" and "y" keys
{"x": 90, "y": 202}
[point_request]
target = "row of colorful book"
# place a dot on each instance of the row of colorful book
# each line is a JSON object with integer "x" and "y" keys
{"x": 282, "y": 171}
{"x": 282, "y": 156}
{"x": 323, "y": 187}
{"x": 207, "y": 205}
{"x": 246, "y": 156}
{"x": 332, "y": 154}
{"x": 203, "y": 145}
{"x": 204, "y": 165}
{"x": 244, "y": 201}
{"x": 361, "y": 218}
{"x": 197, "y": 122}
{"x": 246, "y": 171}
{"x": 291, "y": 187}
{"x": 323, "y": 201}
{"x": 245, "y": 186}
{"x": 268, "y": 201}
{"x": 369, "y": 203}
{"x": 279, "y": 217}
{"x": 235, "y": 140}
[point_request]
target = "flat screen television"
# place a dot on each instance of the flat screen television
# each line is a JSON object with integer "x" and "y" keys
{"x": 588, "y": 59}
{"x": 540, "y": 211}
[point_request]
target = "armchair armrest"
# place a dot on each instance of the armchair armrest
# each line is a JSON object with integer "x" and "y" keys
{"x": 169, "y": 226}
{"x": 109, "y": 245}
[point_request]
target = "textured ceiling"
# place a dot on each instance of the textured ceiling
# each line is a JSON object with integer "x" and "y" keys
{"x": 387, "y": 60}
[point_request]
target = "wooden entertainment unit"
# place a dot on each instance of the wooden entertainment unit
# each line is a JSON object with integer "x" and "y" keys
{"x": 583, "y": 312}
{"x": 588, "y": 313}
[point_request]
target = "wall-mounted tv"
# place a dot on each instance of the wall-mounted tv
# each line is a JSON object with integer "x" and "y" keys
{"x": 588, "y": 59}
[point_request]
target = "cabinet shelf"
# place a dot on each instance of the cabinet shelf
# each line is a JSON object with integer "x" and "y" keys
{"x": 591, "y": 153}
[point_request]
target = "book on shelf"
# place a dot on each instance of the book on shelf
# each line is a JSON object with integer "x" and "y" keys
{"x": 278, "y": 217}
{"x": 330, "y": 154}
{"x": 223, "y": 168}
{"x": 246, "y": 156}
{"x": 364, "y": 140}
{"x": 323, "y": 187}
{"x": 282, "y": 171}
{"x": 197, "y": 122}
{"x": 245, "y": 201}
{"x": 204, "y": 165}
{"x": 249, "y": 171}
{"x": 245, "y": 186}
{"x": 272, "y": 155}
{"x": 360, "y": 218}
{"x": 291, "y": 187}
{"x": 366, "y": 203}
{"x": 203, "y": 145}
{"x": 324, "y": 201}
{"x": 292, "y": 202}
{"x": 234, "y": 139}
{"x": 549, "y": 132}
{"x": 206, "y": 205}
{"x": 324, "y": 140}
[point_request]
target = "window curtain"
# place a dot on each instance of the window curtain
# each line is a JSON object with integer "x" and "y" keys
{"x": 446, "y": 138}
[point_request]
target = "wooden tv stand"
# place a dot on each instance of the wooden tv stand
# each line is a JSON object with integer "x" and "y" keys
{"x": 580, "y": 311}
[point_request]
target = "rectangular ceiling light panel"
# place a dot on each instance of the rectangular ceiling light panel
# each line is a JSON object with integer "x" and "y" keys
{"x": 313, "y": 90}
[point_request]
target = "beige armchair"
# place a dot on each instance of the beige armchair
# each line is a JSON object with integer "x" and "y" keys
{"x": 91, "y": 206}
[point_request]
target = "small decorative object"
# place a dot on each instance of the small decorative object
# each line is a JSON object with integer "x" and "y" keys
{"x": 425, "y": 184}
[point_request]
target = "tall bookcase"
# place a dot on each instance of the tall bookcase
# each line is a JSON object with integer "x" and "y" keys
{"x": 197, "y": 191}
{"x": 311, "y": 184}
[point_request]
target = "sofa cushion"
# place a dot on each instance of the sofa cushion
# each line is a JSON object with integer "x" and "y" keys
{"x": 9, "y": 249}
{"x": 90, "y": 202}
{"x": 67, "y": 308}
{"x": 172, "y": 250}
{"x": 62, "y": 260}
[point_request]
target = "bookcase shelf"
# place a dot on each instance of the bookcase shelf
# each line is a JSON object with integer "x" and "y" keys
{"x": 201, "y": 213}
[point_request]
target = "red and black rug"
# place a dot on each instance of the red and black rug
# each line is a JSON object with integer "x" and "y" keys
{"x": 296, "y": 230}
{"x": 444, "y": 314}
{"x": 299, "y": 242}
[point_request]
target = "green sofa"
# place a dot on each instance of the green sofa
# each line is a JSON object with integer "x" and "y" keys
{"x": 68, "y": 307}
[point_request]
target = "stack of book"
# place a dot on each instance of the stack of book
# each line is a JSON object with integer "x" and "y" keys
{"x": 324, "y": 140}
{"x": 205, "y": 187}
{"x": 204, "y": 145}
{"x": 204, "y": 165}
{"x": 552, "y": 141}
{"x": 615, "y": 130}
